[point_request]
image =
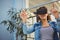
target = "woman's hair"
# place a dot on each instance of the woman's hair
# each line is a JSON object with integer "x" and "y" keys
{"x": 42, "y": 10}
{"x": 38, "y": 18}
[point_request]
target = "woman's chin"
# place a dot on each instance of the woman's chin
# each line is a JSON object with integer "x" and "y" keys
{"x": 43, "y": 18}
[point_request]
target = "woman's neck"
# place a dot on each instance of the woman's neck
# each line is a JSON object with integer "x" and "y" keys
{"x": 45, "y": 23}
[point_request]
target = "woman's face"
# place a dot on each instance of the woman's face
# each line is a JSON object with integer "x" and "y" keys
{"x": 43, "y": 16}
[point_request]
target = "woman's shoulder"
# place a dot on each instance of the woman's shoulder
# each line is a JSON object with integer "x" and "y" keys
{"x": 37, "y": 24}
{"x": 53, "y": 22}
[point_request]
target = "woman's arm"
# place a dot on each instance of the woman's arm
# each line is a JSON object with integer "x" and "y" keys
{"x": 58, "y": 24}
{"x": 54, "y": 11}
{"x": 27, "y": 30}
{"x": 24, "y": 16}
{"x": 54, "y": 24}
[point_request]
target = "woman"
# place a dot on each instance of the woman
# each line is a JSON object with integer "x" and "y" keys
{"x": 44, "y": 29}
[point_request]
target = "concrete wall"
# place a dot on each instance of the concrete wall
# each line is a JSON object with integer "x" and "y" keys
{"x": 5, "y": 5}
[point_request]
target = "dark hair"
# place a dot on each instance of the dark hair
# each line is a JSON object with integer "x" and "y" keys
{"x": 38, "y": 18}
{"x": 42, "y": 10}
